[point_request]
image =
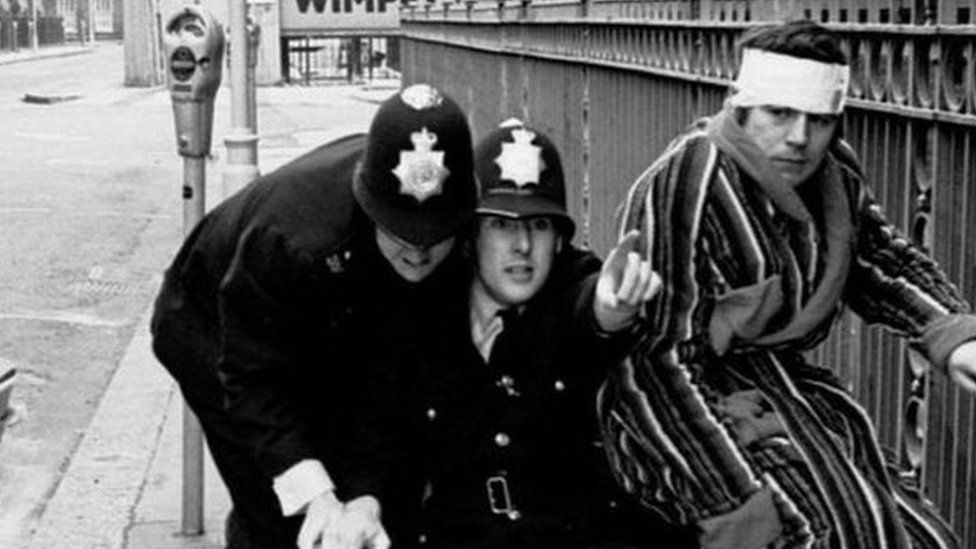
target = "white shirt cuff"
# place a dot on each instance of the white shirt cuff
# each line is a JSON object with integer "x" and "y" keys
{"x": 300, "y": 484}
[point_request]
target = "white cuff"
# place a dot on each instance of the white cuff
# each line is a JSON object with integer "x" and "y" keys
{"x": 300, "y": 484}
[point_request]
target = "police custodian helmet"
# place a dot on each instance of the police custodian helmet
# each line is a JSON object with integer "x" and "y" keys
{"x": 520, "y": 175}
{"x": 416, "y": 180}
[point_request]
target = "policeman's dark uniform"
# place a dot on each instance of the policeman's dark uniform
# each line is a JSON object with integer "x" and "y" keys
{"x": 504, "y": 454}
{"x": 269, "y": 310}
{"x": 508, "y": 446}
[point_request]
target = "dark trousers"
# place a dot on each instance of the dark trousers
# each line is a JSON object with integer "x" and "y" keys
{"x": 255, "y": 522}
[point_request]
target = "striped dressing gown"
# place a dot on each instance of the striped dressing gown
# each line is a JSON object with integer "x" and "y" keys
{"x": 715, "y": 419}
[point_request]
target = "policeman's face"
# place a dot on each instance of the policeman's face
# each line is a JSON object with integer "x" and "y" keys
{"x": 514, "y": 256}
{"x": 414, "y": 263}
{"x": 794, "y": 142}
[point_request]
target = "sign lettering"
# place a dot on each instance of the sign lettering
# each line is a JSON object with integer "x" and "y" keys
{"x": 304, "y": 16}
{"x": 341, "y": 6}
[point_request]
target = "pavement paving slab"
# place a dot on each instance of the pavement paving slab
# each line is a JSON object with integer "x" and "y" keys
{"x": 157, "y": 519}
{"x": 94, "y": 503}
{"x": 44, "y": 52}
{"x": 122, "y": 488}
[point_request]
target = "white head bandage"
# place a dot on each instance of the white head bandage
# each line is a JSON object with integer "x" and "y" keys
{"x": 768, "y": 78}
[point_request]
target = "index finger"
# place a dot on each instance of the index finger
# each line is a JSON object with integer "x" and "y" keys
{"x": 628, "y": 242}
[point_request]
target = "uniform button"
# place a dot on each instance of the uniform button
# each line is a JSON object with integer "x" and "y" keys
{"x": 502, "y": 440}
{"x": 559, "y": 385}
{"x": 422, "y": 539}
{"x": 431, "y": 414}
{"x": 507, "y": 383}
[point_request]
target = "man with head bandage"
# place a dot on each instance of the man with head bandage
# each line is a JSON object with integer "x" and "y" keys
{"x": 762, "y": 228}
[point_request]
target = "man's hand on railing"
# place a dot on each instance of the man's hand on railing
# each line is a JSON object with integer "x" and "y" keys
{"x": 962, "y": 366}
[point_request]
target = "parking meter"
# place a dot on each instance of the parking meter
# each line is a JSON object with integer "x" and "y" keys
{"x": 194, "y": 43}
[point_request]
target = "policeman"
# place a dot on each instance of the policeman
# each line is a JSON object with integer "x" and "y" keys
{"x": 496, "y": 432}
{"x": 277, "y": 296}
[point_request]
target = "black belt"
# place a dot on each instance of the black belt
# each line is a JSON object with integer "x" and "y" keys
{"x": 501, "y": 494}
{"x": 500, "y": 498}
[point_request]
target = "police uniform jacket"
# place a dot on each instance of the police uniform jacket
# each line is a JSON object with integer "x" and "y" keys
{"x": 504, "y": 453}
{"x": 282, "y": 290}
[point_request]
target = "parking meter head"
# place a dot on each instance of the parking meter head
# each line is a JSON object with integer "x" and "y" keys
{"x": 416, "y": 178}
{"x": 194, "y": 44}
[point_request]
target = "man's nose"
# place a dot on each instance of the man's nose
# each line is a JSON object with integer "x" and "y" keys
{"x": 523, "y": 237}
{"x": 799, "y": 131}
{"x": 417, "y": 254}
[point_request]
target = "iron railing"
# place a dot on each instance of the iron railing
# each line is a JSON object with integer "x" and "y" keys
{"x": 612, "y": 82}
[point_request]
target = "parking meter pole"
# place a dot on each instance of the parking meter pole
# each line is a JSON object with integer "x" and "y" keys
{"x": 194, "y": 43}
{"x": 241, "y": 141}
{"x": 194, "y": 204}
{"x": 192, "y": 520}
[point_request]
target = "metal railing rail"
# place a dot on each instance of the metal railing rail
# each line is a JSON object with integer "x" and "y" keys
{"x": 612, "y": 82}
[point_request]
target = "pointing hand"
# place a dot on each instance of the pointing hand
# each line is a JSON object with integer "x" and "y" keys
{"x": 626, "y": 282}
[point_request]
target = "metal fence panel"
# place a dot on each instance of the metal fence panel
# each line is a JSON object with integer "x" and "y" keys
{"x": 614, "y": 81}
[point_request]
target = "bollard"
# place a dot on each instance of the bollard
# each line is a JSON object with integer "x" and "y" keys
{"x": 194, "y": 44}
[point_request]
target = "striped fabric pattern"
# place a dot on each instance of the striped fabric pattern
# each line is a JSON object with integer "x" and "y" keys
{"x": 708, "y": 229}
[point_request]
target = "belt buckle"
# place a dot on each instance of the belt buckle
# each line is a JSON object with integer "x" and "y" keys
{"x": 499, "y": 498}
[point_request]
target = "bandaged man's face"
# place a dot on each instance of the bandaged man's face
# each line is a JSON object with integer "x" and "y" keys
{"x": 794, "y": 142}
{"x": 514, "y": 256}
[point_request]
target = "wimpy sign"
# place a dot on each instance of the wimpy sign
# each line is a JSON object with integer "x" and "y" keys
{"x": 309, "y": 16}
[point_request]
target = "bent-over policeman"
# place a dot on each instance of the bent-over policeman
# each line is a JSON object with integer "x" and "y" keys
{"x": 269, "y": 311}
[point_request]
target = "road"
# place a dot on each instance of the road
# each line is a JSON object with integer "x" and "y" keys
{"x": 87, "y": 221}
{"x": 90, "y": 215}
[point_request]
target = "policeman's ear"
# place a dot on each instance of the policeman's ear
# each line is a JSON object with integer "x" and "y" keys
{"x": 559, "y": 243}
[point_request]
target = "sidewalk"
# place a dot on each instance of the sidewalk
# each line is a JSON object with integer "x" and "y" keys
{"x": 122, "y": 487}
{"x": 44, "y": 52}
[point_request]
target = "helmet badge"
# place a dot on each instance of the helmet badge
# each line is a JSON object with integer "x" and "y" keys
{"x": 421, "y": 171}
{"x": 421, "y": 96}
{"x": 521, "y": 161}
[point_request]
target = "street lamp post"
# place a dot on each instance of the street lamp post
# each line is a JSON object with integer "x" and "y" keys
{"x": 241, "y": 141}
